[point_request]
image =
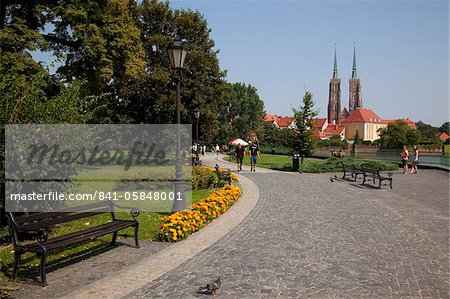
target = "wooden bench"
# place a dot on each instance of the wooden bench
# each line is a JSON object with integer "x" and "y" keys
{"x": 375, "y": 175}
{"x": 350, "y": 170}
{"x": 223, "y": 176}
{"x": 38, "y": 224}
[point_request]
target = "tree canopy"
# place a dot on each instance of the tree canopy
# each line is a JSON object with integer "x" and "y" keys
{"x": 241, "y": 113}
{"x": 398, "y": 134}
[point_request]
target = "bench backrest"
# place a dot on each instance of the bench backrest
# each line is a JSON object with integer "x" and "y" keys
{"x": 348, "y": 167}
{"x": 42, "y": 220}
{"x": 370, "y": 170}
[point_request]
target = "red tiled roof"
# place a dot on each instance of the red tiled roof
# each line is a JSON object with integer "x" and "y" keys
{"x": 284, "y": 122}
{"x": 363, "y": 115}
{"x": 444, "y": 136}
{"x": 409, "y": 122}
{"x": 333, "y": 130}
{"x": 319, "y": 134}
{"x": 270, "y": 117}
{"x": 319, "y": 122}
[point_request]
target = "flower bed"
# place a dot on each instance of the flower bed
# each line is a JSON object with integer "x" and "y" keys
{"x": 180, "y": 225}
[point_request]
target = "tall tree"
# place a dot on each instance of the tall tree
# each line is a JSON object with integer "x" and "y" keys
{"x": 397, "y": 134}
{"x": 305, "y": 142}
{"x": 242, "y": 113}
{"x": 426, "y": 130}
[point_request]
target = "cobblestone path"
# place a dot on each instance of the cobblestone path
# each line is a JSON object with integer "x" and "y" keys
{"x": 311, "y": 238}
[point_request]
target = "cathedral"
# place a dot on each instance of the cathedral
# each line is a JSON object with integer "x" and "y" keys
{"x": 335, "y": 114}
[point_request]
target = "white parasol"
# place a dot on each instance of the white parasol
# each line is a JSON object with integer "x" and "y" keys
{"x": 238, "y": 141}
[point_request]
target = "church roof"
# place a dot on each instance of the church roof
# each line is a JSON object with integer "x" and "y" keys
{"x": 363, "y": 115}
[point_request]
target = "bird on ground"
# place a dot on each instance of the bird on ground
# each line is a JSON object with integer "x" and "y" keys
{"x": 212, "y": 287}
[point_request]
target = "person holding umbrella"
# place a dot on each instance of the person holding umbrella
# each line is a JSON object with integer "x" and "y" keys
{"x": 240, "y": 153}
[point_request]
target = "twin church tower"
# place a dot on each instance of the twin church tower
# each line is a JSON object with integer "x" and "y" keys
{"x": 335, "y": 114}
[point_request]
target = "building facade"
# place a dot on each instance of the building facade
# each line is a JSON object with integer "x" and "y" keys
{"x": 365, "y": 122}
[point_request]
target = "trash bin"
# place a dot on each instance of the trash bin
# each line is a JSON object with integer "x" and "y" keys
{"x": 295, "y": 162}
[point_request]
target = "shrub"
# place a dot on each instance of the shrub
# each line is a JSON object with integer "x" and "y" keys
{"x": 202, "y": 177}
{"x": 334, "y": 165}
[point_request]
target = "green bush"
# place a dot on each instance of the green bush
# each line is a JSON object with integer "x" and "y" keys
{"x": 202, "y": 177}
{"x": 334, "y": 165}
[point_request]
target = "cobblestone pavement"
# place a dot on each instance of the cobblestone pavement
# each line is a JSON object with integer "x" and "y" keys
{"x": 310, "y": 238}
{"x": 91, "y": 268}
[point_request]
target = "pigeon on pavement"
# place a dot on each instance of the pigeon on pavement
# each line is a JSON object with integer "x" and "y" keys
{"x": 212, "y": 287}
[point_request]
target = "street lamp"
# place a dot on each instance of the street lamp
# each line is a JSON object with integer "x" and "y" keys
{"x": 177, "y": 54}
{"x": 197, "y": 117}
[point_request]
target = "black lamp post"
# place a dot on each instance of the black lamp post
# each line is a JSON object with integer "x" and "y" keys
{"x": 197, "y": 117}
{"x": 177, "y": 54}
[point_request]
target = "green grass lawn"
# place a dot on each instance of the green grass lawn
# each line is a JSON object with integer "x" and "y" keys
{"x": 284, "y": 163}
{"x": 276, "y": 162}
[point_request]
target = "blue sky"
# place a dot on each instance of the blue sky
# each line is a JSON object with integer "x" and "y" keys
{"x": 283, "y": 47}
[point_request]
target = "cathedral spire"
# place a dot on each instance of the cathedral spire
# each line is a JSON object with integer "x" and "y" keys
{"x": 335, "y": 70}
{"x": 354, "y": 74}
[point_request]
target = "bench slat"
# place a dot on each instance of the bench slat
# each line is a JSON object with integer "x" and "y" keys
{"x": 48, "y": 215}
{"x": 84, "y": 235}
{"x": 58, "y": 220}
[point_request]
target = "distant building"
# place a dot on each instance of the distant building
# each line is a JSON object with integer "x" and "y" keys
{"x": 409, "y": 122}
{"x": 334, "y": 130}
{"x": 365, "y": 121}
{"x": 320, "y": 124}
{"x": 319, "y": 135}
{"x": 334, "y": 95}
{"x": 271, "y": 118}
{"x": 335, "y": 114}
{"x": 444, "y": 136}
{"x": 287, "y": 122}
{"x": 282, "y": 122}
{"x": 355, "y": 92}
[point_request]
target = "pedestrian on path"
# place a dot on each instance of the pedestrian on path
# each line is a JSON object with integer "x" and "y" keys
{"x": 253, "y": 151}
{"x": 240, "y": 153}
{"x": 405, "y": 156}
{"x": 217, "y": 149}
{"x": 415, "y": 160}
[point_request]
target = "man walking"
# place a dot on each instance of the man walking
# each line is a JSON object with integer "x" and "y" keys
{"x": 253, "y": 151}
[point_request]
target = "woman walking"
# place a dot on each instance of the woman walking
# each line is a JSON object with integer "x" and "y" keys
{"x": 405, "y": 156}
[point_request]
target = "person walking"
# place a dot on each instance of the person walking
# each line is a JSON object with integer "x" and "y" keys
{"x": 415, "y": 160}
{"x": 240, "y": 153}
{"x": 253, "y": 151}
{"x": 217, "y": 149}
{"x": 405, "y": 156}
